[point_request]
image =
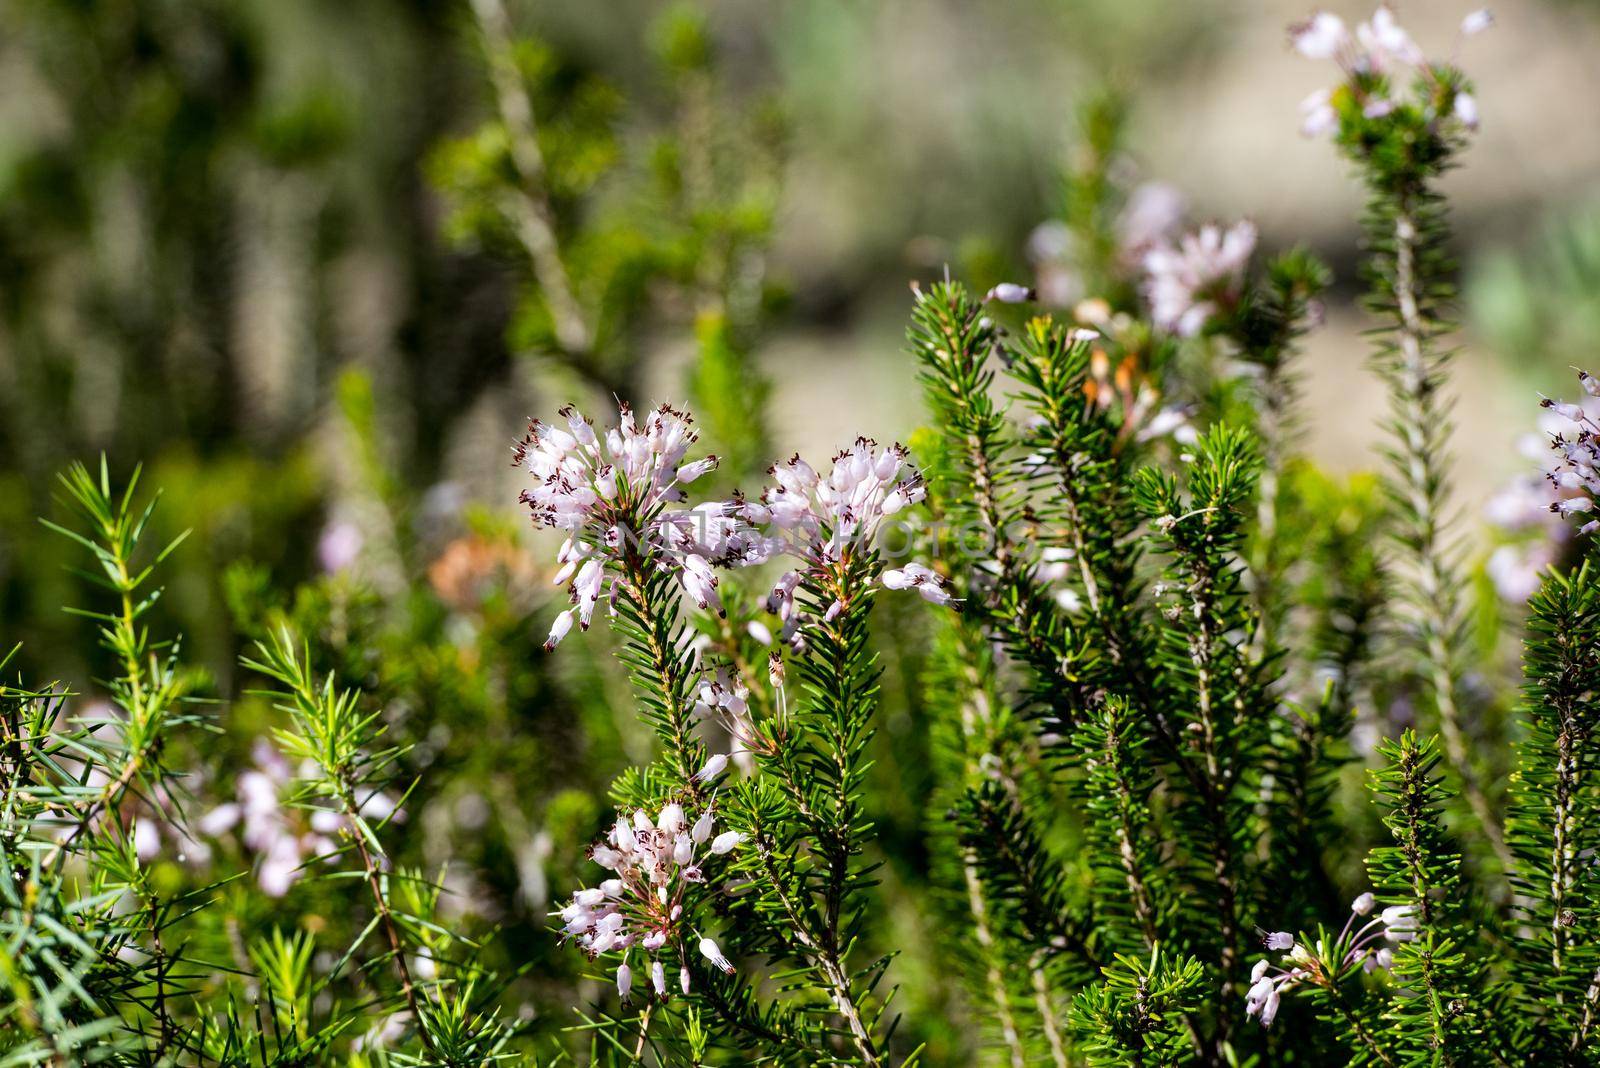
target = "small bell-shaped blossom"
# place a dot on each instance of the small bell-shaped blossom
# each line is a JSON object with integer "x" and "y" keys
{"x": 1150, "y": 214}
{"x": 713, "y": 953}
{"x": 1399, "y": 923}
{"x": 1371, "y": 59}
{"x": 1476, "y": 22}
{"x": 1322, "y": 36}
{"x": 824, "y": 516}
{"x": 1318, "y": 118}
{"x": 717, "y": 532}
{"x": 558, "y": 629}
{"x": 1386, "y": 42}
{"x": 1535, "y": 528}
{"x": 781, "y": 600}
{"x": 701, "y": 830}
{"x": 1010, "y": 293}
{"x": 926, "y": 582}
{"x": 284, "y": 837}
{"x": 1154, "y": 212}
{"x": 713, "y": 768}
{"x": 724, "y": 697}
{"x": 624, "y": 980}
{"x": 700, "y": 582}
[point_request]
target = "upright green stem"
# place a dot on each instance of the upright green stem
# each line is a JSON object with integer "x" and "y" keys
{"x": 1220, "y": 780}
{"x": 1563, "y": 857}
{"x": 532, "y": 212}
{"x": 1267, "y": 567}
{"x": 1047, "y": 1011}
{"x": 1416, "y": 388}
{"x": 380, "y": 903}
{"x": 979, "y": 739}
{"x": 978, "y": 906}
{"x": 1591, "y": 1003}
{"x": 821, "y": 950}
{"x": 1359, "y": 1029}
{"x": 125, "y": 637}
{"x": 845, "y": 644}
{"x": 669, "y": 673}
{"x": 529, "y": 206}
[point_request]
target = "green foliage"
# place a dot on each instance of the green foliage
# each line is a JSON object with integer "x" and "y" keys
{"x": 982, "y": 489}
{"x": 1225, "y": 718}
{"x": 1043, "y": 821}
{"x": 1134, "y": 1015}
{"x": 1552, "y": 823}
{"x": 599, "y": 223}
{"x": 1117, "y": 793}
{"x": 730, "y": 397}
{"x": 1421, "y": 872}
{"x": 1266, "y": 327}
{"x": 807, "y": 829}
{"x": 1401, "y": 156}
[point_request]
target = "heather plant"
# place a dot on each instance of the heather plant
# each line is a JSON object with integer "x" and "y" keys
{"x": 1197, "y": 771}
{"x": 1140, "y": 697}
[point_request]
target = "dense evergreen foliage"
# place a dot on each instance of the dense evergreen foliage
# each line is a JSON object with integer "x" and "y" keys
{"x": 1097, "y": 727}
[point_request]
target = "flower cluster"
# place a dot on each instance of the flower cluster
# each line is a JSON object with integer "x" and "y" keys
{"x": 821, "y": 520}
{"x": 1370, "y": 947}
{"x": 827, "y": 516}
{"x": 586, "y": 483}
{"x": 609, "y": 494}
{"x": 1370, "y": 58}
{"x": 283, "y": 837}
{"x": 725, "y": 697}
{"x": 1152, "y": 213}
{"x": 1575, "y": 477}
{"x": 642, "y": 906}
{"x": 1187, "y": 283}
{"x": 1534, "y": 531}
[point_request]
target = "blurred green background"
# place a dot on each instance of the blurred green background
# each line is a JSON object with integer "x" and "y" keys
{"x": 263, "y": 247}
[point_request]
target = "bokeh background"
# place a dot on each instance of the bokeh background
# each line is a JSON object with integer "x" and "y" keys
{"x": 249, "y": 244}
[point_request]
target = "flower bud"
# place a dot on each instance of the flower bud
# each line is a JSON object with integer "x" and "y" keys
{"x": 714, "y": 767}
{"x": 624, "y": 981}
{"x": 559, "y": 629}
{"x": 1009, "y": 293}
{"x": 713, "y": 953}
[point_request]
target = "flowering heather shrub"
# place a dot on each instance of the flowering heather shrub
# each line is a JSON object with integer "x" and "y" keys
{"x": 1204, "y": 772}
